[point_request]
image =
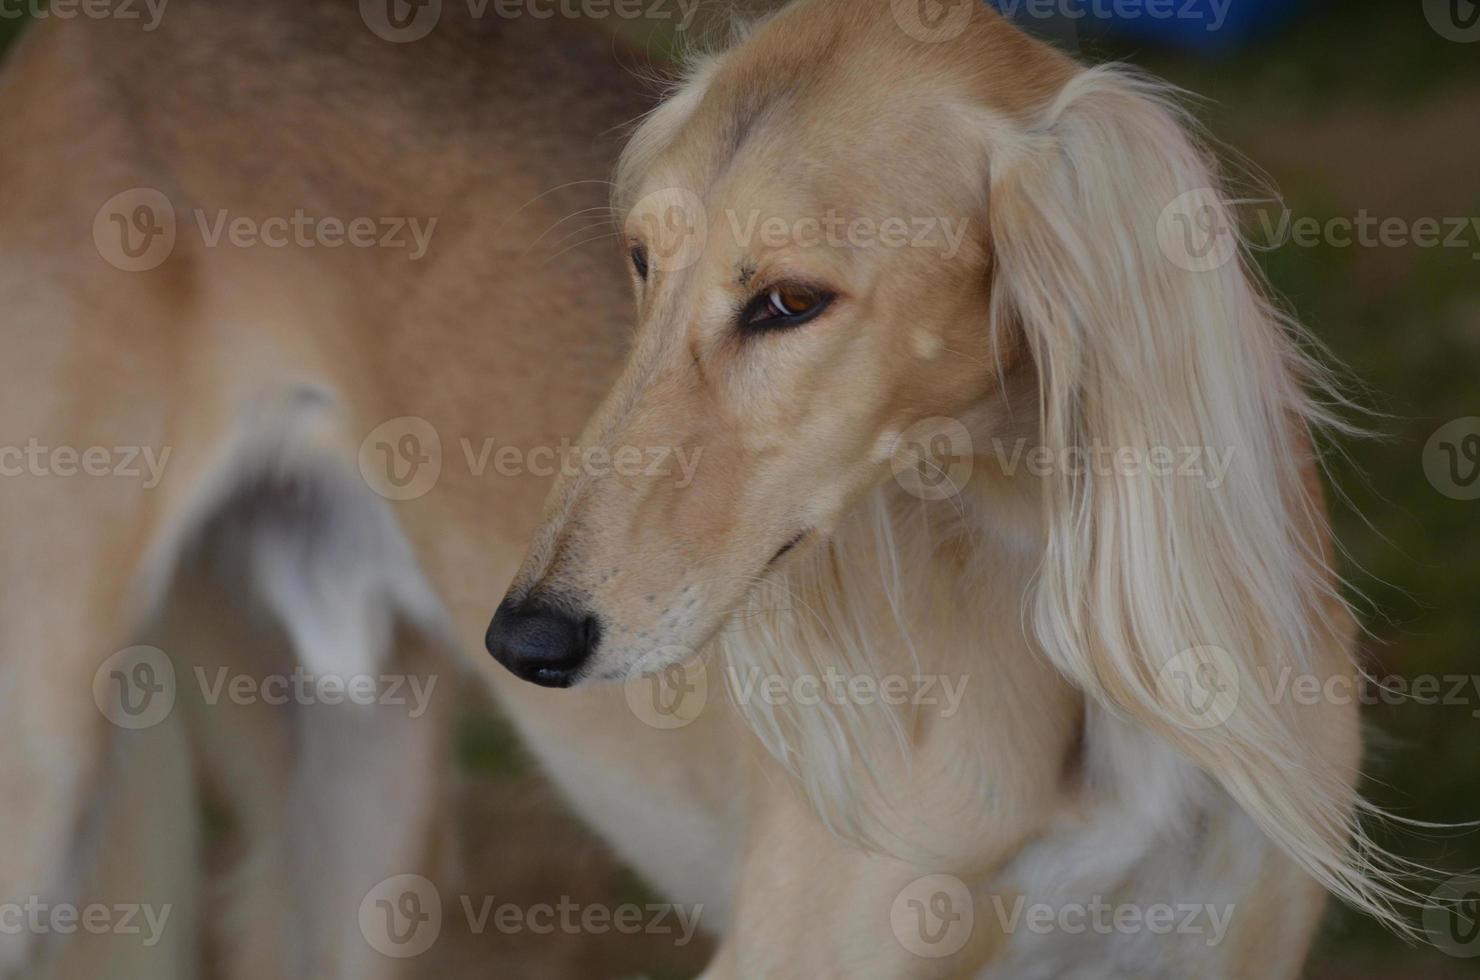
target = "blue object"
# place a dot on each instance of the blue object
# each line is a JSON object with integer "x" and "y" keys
{"x": 1199, "y": 25}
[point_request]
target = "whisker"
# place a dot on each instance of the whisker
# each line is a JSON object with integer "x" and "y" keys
{"x": 598, "y": 238}
{"x": 546, "y": 193}
{"x": 574, "y": 214}
{"x": 596, "y": 226}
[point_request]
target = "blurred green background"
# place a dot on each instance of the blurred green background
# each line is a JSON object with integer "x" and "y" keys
{"x": 1356, "y": 105}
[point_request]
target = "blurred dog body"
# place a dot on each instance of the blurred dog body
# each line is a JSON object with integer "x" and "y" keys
{"x": 251, "y": 374}
{"x": 277, "y": 382}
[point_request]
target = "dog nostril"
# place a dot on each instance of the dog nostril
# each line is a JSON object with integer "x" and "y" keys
{"x": 542, "y": 643}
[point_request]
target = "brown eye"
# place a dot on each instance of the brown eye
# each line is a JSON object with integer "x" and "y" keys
{"x": 640, "y": 262}
{"x": 787, "y": 305}
{"x": 789, "y": 301}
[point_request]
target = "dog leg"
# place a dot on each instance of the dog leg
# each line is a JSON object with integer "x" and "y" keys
{"x": 89, "y": 803}
{"x": 866, "y": 915}
{"x": 54, "y": 741}
{"x": 144, "y": 884}
{"x": 319, "y": 803}
{"x": 306, "y": 639}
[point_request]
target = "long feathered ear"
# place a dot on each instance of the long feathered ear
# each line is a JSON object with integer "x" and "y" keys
{"x": 1179, "y": 594}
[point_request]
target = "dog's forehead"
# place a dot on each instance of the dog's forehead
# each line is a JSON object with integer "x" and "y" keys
{"x": 831, "y": 110}
{"x": 805, "y": 147}
{"x": 811, "y": 81}
{"x": 833, "y": 101}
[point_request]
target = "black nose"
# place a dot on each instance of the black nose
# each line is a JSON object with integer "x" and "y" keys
{"x": 541, "y": 643}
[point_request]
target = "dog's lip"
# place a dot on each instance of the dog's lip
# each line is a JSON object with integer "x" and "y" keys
{"x": 795, "y": 540}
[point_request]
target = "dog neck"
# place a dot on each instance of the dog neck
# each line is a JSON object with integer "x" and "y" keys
{"x": 891, "y": 673}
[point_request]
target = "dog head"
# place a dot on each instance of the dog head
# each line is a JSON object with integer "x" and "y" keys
{"x": 806, "y": 225}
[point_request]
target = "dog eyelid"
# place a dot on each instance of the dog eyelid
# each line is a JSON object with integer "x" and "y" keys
{"x": 783, "y": 306}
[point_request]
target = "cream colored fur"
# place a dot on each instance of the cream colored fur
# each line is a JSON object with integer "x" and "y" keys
{"x": 1068, "y": 771}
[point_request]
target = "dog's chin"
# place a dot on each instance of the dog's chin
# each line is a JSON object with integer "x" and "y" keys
{"x": 634, "y": 664}
{"x": 630, "y": 668}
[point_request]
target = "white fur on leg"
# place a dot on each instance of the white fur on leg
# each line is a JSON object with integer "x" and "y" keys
{"x": 316, "y": 548}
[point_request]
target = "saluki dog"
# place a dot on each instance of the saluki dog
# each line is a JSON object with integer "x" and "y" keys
{"x": 916, "y": 582}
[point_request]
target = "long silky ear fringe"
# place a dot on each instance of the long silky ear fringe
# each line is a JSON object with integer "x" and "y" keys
{"x": 1135, "y": 349}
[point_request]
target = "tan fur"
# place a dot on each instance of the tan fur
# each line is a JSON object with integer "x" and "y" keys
{"x": 498, "y": 333}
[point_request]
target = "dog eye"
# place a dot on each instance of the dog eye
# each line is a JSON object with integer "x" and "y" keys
{"x": 788, "y": 305}
{"x": 640, "y": 262}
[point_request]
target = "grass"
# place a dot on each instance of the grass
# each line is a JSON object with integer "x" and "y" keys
{"x": 489, "y": 747}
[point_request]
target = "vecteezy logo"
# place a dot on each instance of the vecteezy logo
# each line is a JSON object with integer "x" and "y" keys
{"x": 673, "y": 224}
{"x": 667, "y": 688}
{"x": 933, "y": 458}
{"x": 134, "y": 230}
{"x": 402, "y": 459}
{"x": 1451, "y": 460}
{"x": 402, "y": 916}
{"x": 1203, "y": 683}
{"x": 401, "y": 21}
{"x": 1452, "y": 918}
{"x": 135, "y": 688}
{"x": 933, "y": 916}
{"x": 1454, "y": 20}
{"x": 933, "y": 21}
{"x": 1467, "y": 452}
{"x": 1194, "y": 233}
